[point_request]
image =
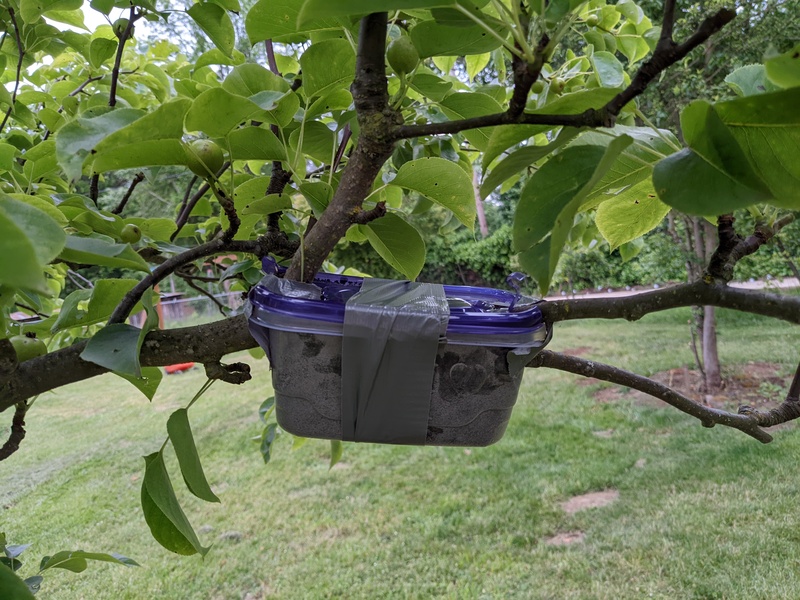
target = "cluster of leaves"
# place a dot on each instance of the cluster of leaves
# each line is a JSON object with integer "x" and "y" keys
{"x": 14, "y": 588}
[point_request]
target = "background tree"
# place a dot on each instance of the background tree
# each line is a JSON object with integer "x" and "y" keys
{"x": 325, "y": 143}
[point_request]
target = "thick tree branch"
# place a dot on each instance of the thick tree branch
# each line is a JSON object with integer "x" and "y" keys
{"x": 377, "y": 120}
{"x": 698, "y": 293}
{"x": 666, "y": 54}
{"x": 708, "y": 416}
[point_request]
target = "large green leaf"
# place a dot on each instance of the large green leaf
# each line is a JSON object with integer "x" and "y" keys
{"x": 319, "y": 142}
{"x": 767, "y": 128}
{"x": 163, "y": 513}
{"x": 180, "y": 434}
{"x": 434, "y": 39}
{"x": 255, "y": 143}
{"x": 29, "y": 239}
{"x": 316, "y": 9}
{"x": 13, "y": 587}
{"x": 607, "y": 69}
{"x": 398, "y": 243}
{"x": 116, "y": 348}
{"x": 77, "y": 138}
{"x": 215, "y": 22}
{"x": 103, "y": 299}
{"x": 442, "y": 181}
{"x": 31, "y": 10}
{"x": 784, "y": 69}
{"x": 216, "y": 112}
{"x": 468, "y": 105}
{"x": 549, "y": 201}
{"x": 155, "y": 139}
{"x": 96, "y": 251}
{"x": 327, "y": 65}
{"x": 630, "y": 214}
{"x": 269, "y": 19}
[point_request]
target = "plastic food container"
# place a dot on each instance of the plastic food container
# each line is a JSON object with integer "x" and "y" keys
{"x": 491, "y": 335}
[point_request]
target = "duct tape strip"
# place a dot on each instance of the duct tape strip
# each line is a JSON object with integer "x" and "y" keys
{"x": 391, "y": 335}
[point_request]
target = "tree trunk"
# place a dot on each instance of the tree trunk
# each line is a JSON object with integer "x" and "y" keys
{"x": 713, "y": 378}
{"x": 483, "y": 227}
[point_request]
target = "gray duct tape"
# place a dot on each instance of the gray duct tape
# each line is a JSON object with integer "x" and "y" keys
{"x": 391, "y": 335}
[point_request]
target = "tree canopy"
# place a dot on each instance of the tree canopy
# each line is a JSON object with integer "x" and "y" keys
{"x": 325, "y": 140}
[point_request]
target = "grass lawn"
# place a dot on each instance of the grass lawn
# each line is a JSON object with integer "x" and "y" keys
{"x": 700, "y": 514}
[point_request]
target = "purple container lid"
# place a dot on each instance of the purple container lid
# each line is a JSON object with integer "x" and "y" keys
{"x": 473, "y": 310}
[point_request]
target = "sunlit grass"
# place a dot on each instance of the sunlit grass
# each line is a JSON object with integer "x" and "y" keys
{"x": 701, "y": 514}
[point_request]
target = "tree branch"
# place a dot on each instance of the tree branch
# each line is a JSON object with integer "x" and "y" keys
{"x": 137, "y": 179}
{"x": 188, "y": 206}
{"x": 20, "y": 59}
{"x": 123, "y": 37}
{"x": 700, "y": 293}
{"x": 17, "y": 431}
{"x": 666, "y": 54}
{"x": 708, "y": 416}
{"x": 788, "y": 410}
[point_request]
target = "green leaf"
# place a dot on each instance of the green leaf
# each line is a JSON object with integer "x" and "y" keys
{"x": 442, "y": 181}
{"x": 31, "y": 10}
{"x": 431, "y": 86}
{"x": 104, "y": 297}
{"x": 607, "y": 69}
{"x": 521, "y": 159}
{"x": 468, "y": 105}
{"x": 267, "y": 439}
{"x": 95, "y": 251}
{"x": 318, "y": 194}
{"x": 29, "y": 238}
{"x": 549, "y": 201}
{"x": 327, "y": 65}
{"x": 216, "y": 24}
{"x": 433, "y": 39}
{"x": 163, "y": 513}
{"x": 100, "y": 50}
{"x": 116, "y": 348}
{"x": 630, "y": 214}
{"x": 148, "y": 383}
{"x": 266, "y": 408}
{"x": 269, "y": 19}
{"x": 784, "y": 70}
{"x": 316, "y": 9}
{"x": 155, "y": 139}
{"x": 180, "y": 434}
{"x": 337, "y": 449}
{"x": 319, "y": 142}
{"x": 215, "y": 56}
{"x": 688, "y": 182}
{"x": 255, "y": 143}
{"x": 250, "y": 79}
{"x": 12, "y": 586}
{"x": 268, "y": 205}
{"x": 767, "y": 129}
{"x": 750, "y": 80}
{"x": 216, "y": 112}
{"x": 77, "y": 138}
{"x": 158, "y": 230}
{"x": 631, "y": 44}
{"x": 398, "y": 243}
{"x": 76, "y": 560}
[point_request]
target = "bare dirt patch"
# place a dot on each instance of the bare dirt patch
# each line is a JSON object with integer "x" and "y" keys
{"x": 590, "y": 500}
{"x": 566, "y": 539}
{"x": 757, "y": 384}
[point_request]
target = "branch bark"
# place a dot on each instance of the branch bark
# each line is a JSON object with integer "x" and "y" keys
{"x": 708, "y": 416}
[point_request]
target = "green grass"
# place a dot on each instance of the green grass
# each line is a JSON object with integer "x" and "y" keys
{"x": 710, "y": 514}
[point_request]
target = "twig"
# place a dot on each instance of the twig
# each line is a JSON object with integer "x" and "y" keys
{"x": 123, "y": 37}
{"x": 667, "y": 53}
{"x": 21, "y": 57}
{"x": 188, "y": 206}
{"x": 74, "y": 276}
{"x": 203, "y": 291}
{"x": 137, "y": 179}
{"x": 708, "y": 416}
{"x": 337, "y": 159}
{"x": 228, "y": 207}
{"x": 94, "y": 188}
{"x": 17, "y": 431}
{"x": 362, "y": 217}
